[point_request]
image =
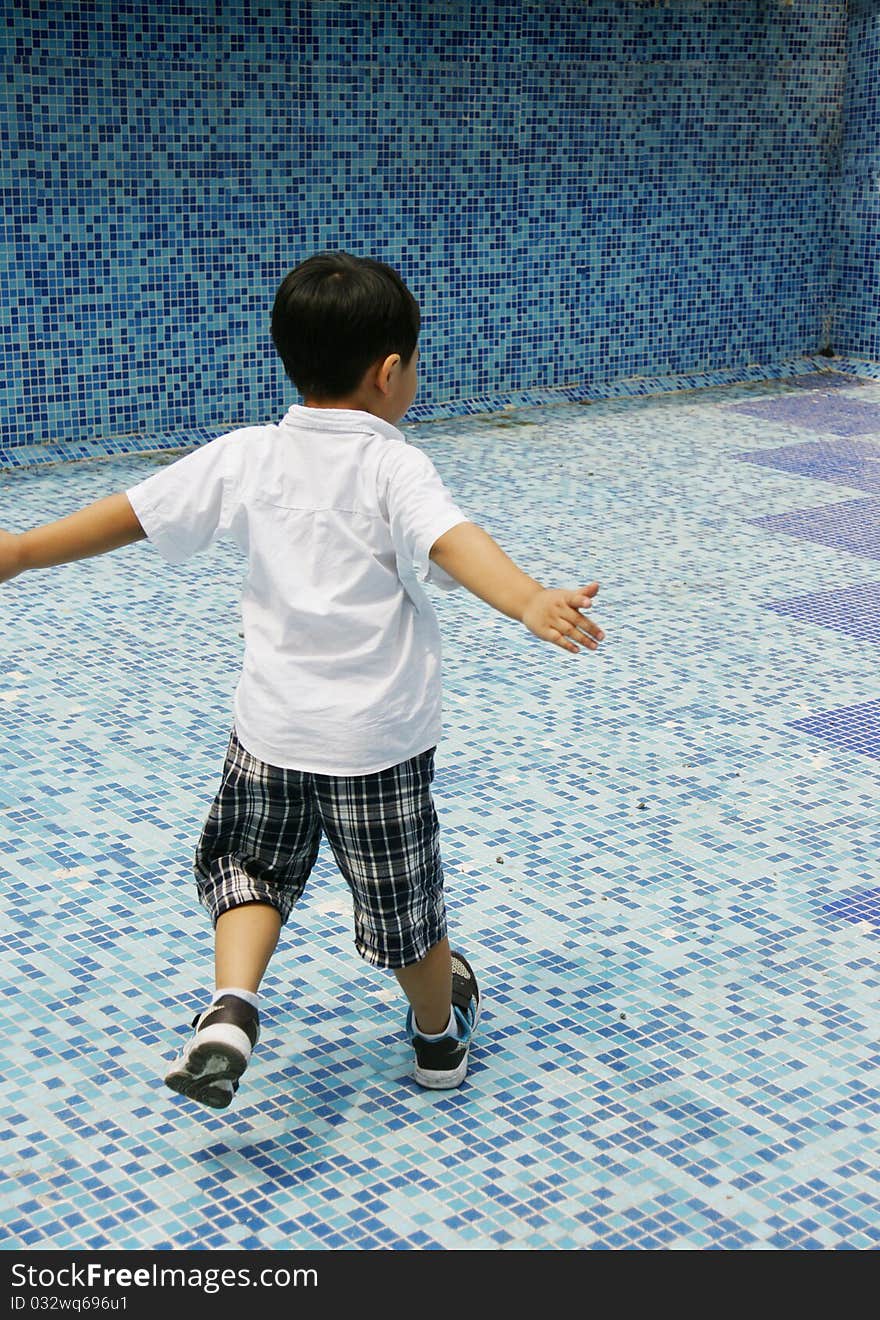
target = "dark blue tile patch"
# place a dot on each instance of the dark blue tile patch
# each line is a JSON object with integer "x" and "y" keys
{"x": 856, "y": 728}
{"x": 851, "y": 610}
{"x": 843, "y": 462}
{"x": 852, "y": 525}
{"x": 817, "y": 411}
{"x": 858, "y": 906}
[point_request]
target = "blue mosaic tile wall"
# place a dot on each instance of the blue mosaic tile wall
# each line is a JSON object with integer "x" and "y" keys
{"x": 578, "y": 194}
{"x": 857, "y": 250}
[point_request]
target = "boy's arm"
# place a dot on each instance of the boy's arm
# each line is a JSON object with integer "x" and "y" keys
{"x": 105, "y": 525}
{"x": 471, "y": 556}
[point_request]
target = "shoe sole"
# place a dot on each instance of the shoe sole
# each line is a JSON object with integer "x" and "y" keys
{"x": 434, "y": 1079}
{"x": 215, "y": 1092}
{"x": 209, "y": 1069}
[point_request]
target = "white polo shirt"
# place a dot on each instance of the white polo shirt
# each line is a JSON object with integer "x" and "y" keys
{"x": 336, "y": 514}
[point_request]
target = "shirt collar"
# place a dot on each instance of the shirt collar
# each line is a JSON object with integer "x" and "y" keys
{"x": 340, "y": 419}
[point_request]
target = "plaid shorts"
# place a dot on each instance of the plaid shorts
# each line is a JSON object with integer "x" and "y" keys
{"x": 261, "y": 837}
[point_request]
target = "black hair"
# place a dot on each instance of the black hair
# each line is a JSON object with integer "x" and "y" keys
{"x": 335, "y": 315}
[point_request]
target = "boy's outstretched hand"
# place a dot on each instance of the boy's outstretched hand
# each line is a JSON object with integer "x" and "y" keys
{"x": 555, "y": 615}
{"x": 475, "y": 559}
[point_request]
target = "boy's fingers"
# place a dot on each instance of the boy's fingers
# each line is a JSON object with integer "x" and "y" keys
{"x": 569, "y": 636}
{"x": 559, "y": 639}
{"x": 584, "y": 625}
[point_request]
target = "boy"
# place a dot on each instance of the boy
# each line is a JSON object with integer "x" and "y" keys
{"x": 337, "y": 712}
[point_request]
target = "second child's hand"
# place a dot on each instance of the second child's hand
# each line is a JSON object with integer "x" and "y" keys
{"x": 554, "y": 615}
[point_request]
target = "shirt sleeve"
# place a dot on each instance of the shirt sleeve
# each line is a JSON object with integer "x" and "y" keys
{"x": 185, "y": 506}
{"x": 420, "y": 510}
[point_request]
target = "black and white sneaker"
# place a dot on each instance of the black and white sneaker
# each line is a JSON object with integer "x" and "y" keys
{"x": 208, "y": 1068}
{"x": 443, "y": 1064}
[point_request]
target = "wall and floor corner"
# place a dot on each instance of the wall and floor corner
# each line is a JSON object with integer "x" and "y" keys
{"x": 578, "y": 193}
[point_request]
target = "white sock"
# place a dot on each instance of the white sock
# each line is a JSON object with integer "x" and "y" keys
{"x": 247, "y": 995}
{"x": 451, "y": 1029}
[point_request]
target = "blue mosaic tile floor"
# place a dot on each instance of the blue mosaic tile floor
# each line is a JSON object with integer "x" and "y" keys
{"x": 662, "y": 859}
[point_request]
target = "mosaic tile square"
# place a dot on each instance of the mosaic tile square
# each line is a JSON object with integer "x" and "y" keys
{"x": 862, "y": 907}
{"x": 856, "y": 728}
{"x": 852, "y": 525}
{"x": 852, "y": 610}
{"x": 844, "y": 462}
{"x": 817, "y": 411}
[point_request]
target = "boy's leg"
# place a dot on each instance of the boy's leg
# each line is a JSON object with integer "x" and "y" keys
{"x": 244, "y": 941}
{"x": 441, "y": 1051}
{"x": 428, "y": 987}
{"x": 257, "y": 849}
{"x": 384, "y": 833}
{"x": 218, "y": 1053}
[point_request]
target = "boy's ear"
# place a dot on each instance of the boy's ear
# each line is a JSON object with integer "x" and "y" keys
{"x": 384, "y": 370}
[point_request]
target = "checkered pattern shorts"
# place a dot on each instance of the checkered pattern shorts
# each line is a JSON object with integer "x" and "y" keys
{"x": 261, "y": 837}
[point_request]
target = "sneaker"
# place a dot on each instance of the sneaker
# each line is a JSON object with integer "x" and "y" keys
{"x": 211, "y": 1062}
{"x": 442, "y": 1064}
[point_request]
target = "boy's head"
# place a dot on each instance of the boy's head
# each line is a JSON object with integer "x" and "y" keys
{"x": 342, "y": 326}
